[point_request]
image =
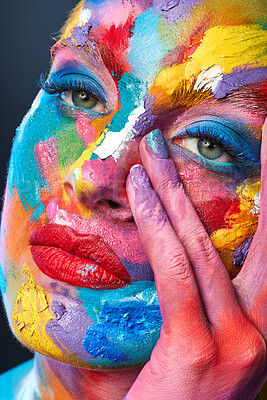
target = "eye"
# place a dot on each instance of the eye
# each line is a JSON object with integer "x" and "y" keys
{"x": 206, "y": 148}
{"x": 83, "y": 99}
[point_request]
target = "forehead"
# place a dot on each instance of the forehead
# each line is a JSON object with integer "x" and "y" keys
{"x": 183, "y": 39}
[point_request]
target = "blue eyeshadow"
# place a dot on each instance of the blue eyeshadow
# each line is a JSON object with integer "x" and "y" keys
{"x": 234, "y": 138}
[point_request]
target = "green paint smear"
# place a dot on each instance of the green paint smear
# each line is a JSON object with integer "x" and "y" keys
{"x": 68, "y": 144}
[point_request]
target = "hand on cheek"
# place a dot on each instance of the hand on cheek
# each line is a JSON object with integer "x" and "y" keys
{"x": 209, "y": 346}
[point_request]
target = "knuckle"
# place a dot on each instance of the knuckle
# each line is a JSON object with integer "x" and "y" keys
{"x": 254, "y": 354}
{"x": 203, "y": 362}
{"x": 200, "y": 240}
{"x": 205, "y": 355}
{"x": 178, "y": 266}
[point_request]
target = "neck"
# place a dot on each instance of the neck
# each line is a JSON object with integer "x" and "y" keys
{"x": 57, "y": 381}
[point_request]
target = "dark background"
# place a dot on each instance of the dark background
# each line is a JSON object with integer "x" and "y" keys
{"x": 27, "y": 30}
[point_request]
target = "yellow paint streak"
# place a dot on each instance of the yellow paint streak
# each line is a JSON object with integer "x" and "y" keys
{"x": 226, "y": 47}
{"x": 241, "y": 225}
{"x": 72, "y": 21}
{"x": 229, "y": 47}
{"x": 87, "y": 154}
{"x": 30, "y": 316}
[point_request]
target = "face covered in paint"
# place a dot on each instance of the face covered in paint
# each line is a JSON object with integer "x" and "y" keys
{"x": 77, "y": 283}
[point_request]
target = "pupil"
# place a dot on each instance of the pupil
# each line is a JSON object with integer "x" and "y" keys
{"x": 83, "y": 96}
{"x": 209, "y": 145}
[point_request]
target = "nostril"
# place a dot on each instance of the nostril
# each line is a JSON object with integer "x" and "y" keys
{"x": 114, "y": 205}
{"x": 109, "y": 203}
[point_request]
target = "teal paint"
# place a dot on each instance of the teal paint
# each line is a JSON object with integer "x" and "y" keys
{"x": 146, "y": 36}
{"x": 46, "y": 119}
{"x": 37, "y": 212}
{"x": 132, "y": 93}
{"x": 11, "y": 382}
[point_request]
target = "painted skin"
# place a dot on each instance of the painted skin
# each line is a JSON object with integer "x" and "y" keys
{"x": 69, "y": 165}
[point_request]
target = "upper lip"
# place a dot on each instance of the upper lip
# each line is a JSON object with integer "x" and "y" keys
{"x": 79, "y": 259}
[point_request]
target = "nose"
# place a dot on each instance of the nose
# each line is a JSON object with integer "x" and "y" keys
{"x": 99, "y": 185}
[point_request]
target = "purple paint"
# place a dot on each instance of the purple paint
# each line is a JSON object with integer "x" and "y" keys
{"x": 241, "y": 253}
{"x": 249, "y": 389}
{"x": 68, "y": 329}
{"x": 238, "y": 79}
{"x": 139, "y": 177}
{"x": 144, "y": 123}
{"x": 174, "y": 10}
{"x": 79, "y": 35}
{"x": 147, "y": 119}
{"x": 58, "y": 309}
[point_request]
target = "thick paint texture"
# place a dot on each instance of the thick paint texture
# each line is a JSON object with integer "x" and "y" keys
{"x": 195, "y": 70}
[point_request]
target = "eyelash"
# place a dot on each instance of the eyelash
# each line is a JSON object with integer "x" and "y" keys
{"x": 55, "y": 86}
{"x": 206, "y": 134}
{"x": 240, "y": 161}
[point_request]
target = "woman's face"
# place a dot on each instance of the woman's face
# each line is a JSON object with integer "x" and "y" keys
{"x": 77, "y": 283}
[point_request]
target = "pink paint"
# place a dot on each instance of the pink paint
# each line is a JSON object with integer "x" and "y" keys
{"x": 46, "y": 153}
{"x": 99, "y": 172}
{"x": 85, "y": 130}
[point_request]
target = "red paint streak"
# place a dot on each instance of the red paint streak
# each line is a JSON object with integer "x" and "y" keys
{"x": 114, "y": 46}
{"x": 215, "y": 213}
{"x": 78, "y": 259}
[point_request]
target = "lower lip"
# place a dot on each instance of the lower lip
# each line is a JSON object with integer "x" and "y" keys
{"x": 80, "y": 260}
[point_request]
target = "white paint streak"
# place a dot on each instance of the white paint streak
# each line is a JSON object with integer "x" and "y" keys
{"x": 209, "y": 79}
{"x": 115, "y": 142}
{"x": 84, "y": 17}
{"x": 256, "y": 209}
{"x": 61, "y": 218}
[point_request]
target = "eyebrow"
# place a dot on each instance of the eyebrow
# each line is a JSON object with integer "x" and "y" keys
{"x": 252, "y": 98}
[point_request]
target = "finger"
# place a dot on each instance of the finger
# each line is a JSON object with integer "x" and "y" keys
{"x": 175, "y": 282}
{"x": 251, "y": 282}
{"x": 212, "y": 278}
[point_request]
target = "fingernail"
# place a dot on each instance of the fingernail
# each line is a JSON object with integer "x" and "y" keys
{"x": 139, "y": 177}
{"x": 156, "y": 144}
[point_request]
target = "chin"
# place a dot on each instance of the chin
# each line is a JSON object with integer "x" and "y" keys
{"x": 98, "y": 329}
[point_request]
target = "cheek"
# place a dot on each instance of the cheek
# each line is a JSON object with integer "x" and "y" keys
{"x": 228, "y": 209}
{"x": 212, "y": 196}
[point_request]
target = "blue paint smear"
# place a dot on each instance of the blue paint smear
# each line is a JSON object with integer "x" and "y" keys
{"x": 144, "y": 62}
{"x": 3, "y": 282}
{"x": 97, "y": 344}
{"x": 126, "y": 324}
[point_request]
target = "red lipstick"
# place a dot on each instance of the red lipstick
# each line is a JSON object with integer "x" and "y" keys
{"x": 78, "y": 259}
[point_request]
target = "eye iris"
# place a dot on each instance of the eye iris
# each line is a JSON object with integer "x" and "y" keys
{"x": 209, "y": 150}
{"x": 84, "y": 100}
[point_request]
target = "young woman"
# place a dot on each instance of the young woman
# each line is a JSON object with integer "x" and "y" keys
{"x": 132, "y": 203}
